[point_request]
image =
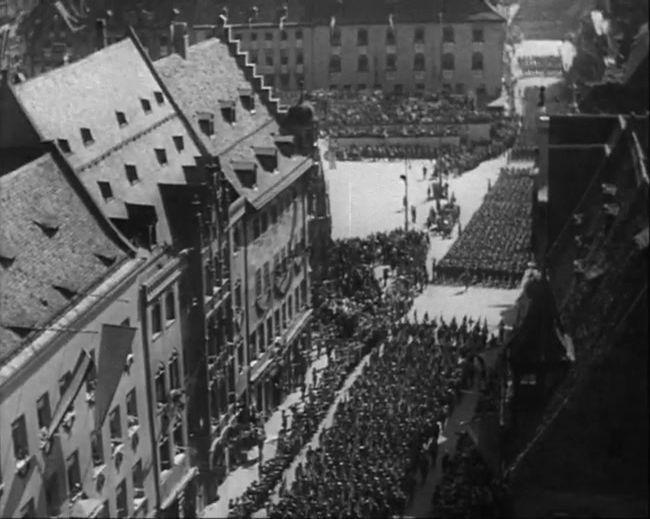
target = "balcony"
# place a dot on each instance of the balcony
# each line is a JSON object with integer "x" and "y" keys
{"x": 336, "y": 49}
{"x": 447, "y": 74}
{"x": 478, "y": 46}
{"x": 478, "y": 74}
{"x": 391, "y": 75}
{"x": 419, "y": 75}
{"x": 391, "y": 49}
{"x": 174, "y": 480}
{"x": 300, "y": 68}
{"x": 419, "y": 48}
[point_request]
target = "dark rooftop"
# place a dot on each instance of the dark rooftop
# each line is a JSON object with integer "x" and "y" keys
{"x": 363, "y": 12}
{"x": 200, "y": 83}
{"x": 49, "y": 238}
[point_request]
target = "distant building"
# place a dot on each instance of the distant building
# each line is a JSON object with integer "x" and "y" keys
{"x": 396, "y": 46}
{"x": 393, "y": 45}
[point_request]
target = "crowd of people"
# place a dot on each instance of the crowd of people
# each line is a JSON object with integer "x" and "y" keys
{"x": 540, "y": 65}
{"x": 468, "y": 487}
{"x": 387, "y": 428}
{"x": 495, "y": 247}
{"x": 352, "y": 317}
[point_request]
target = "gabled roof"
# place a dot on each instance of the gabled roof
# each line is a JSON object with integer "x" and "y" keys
{"x": 200, "y": 83}
{"x": 88, "y": 94}
{"x": 66, "y": 257}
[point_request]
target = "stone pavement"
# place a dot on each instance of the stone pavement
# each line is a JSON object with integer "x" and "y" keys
{"x": 241, "y": 478}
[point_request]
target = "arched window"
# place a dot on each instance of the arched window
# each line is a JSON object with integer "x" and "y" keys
{"x": 448, "y": 61}
{"x": 362, "y": 64}
{"x": 418, "y": 62}
{"x": 335, "y": 37}
{"x": 335, "y": 64}
{"x": 362, "y": 37}
{"x": 477, "y": 61}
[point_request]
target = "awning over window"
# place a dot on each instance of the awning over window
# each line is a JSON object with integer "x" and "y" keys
{"x": 84, "y": 363}
{"x": 116, "y": 344}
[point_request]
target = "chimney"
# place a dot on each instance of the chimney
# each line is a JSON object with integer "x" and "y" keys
{"x": 101, "y": 39}
{"x": 179, "y": 38}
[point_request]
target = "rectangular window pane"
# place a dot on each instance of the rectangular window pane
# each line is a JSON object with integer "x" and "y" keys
{"x": 43, "y": 410}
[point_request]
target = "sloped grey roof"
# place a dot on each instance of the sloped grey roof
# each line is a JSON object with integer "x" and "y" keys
{"x": 63, "y": 257}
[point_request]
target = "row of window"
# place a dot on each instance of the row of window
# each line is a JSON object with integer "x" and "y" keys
{"x": 268, "y": 59}
{"x": 262, "y": 221}
{"x": 87, "y": 135}
{"x": 263, "y": 283}
{"x": 448, "y": 36}
{"x": 131, "y": 170}
{"x": 74, "y": 483}
{"x": 264, "y": 336}
{"x": 448, "y": 62}
{"x": 269, "y": 36}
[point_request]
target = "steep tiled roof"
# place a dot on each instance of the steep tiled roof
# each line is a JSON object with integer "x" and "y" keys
{"x": 88, "y": 94}
{"x": 199, "y": 83}
{"x": 49, "y": 238}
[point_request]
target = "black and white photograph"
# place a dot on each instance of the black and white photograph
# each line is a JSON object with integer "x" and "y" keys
{"x": 324, "y": 259}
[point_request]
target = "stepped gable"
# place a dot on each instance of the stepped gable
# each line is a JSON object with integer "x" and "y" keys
{"x": 213, "y": 73}
{"x": 109, "y": 111}
{"x": 52, "y": 250}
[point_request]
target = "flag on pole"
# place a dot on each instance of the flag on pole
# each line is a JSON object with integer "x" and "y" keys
{"x": 332, "y": 24}
{"x": 391, "y": 22}
{"x": 284, "y": 14}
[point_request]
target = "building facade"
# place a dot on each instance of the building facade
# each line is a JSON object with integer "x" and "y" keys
{"x": 138, "y": 159}
{"x": 458, "y": 56}
{"x": 270, "y": 163}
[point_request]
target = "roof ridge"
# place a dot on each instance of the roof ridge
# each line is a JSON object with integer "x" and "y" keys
{"x": 70, "y": 65}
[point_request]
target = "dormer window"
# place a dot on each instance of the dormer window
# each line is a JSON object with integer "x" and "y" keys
{"x": 246, "y": 172}
{"x": 206, "y": 123}
{"x": 161, "y": 155}
{"x": 267, "y": 156}
{"x": 146, "y": 105}
{"x": 228, "y": 111}
{"x": 121, "y": 118}
{"x": 87, "y": 136}
{"x": 178, "y": 142}
{"x": 247, "y": 98}
{"x": 131, "y": 173}
{"x": 64, "y": 145}
{"x": 106, "y": 190}
{"x": 160, "y": 99}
